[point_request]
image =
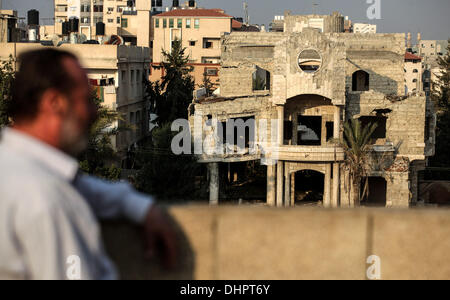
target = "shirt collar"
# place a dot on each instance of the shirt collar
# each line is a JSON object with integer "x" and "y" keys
{"x": 55, "y": 160}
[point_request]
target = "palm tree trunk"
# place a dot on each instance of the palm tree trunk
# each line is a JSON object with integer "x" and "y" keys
{"x": 356, "y": 191}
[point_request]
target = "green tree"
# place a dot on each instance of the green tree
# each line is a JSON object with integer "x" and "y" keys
{"x": 6, "y": 80}
{"x": 356, "y": 144}
{"x": 207, "y": 84}
{"x": 440, "y": 97}
{"x": 165, "y": 174}
{"x": 171, "y": 97}
{"x": 99, "y": 157}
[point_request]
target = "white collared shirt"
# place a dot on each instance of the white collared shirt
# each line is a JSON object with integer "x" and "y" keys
{"x": 47, "y": 213}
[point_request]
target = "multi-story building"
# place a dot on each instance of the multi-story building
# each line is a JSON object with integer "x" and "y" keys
{"x": 128, "y": 19}
{"x": 413, "y": 73}
{"x": 8, "y": 26}
{"x": 199, "y": 30}
{"x": 430, "y": 51}
{"x": 277, "y": 25}
{"x": 364, "y": 28}
{"x": 116, "y": 73}
{"x": 292, "y": 92}
{"x": 348, "y": 25}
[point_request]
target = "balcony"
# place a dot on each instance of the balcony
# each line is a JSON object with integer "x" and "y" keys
{"x": 308, "y": 153}
{"x": 285, "y": 153}
{"x": 129, "y": 13}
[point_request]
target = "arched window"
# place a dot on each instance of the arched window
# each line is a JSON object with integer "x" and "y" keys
{"x": 360, "y": 81}
{"x": 414, "y": 80}
{"x": 415, "y": 71}
{"x": 261, "y": 79}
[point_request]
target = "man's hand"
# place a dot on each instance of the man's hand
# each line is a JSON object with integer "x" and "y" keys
{"x": 160, "y": 237}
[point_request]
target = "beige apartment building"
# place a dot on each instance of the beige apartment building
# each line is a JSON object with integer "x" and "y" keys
{"x": 8, "y": 26}
{"x": 128, "y": 19}
{"x": 199, "y": 30}
{"x": 116, "y": 73}
{"x": 431, "y": 49}
{"x": 413, "y": 73}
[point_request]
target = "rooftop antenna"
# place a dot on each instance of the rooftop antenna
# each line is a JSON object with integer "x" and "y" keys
{"x": 315, "y": 8}
{"x": 246, "y": 20}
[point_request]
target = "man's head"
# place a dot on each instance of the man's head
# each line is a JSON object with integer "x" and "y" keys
{"x": 51, "y": 99}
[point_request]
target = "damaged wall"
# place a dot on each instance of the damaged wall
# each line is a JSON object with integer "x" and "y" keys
{"x": 307, "y": 63}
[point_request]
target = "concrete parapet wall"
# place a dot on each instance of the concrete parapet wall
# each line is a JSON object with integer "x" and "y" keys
{"x": 264, "y": 243}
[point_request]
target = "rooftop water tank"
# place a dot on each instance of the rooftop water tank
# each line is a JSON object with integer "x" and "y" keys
{"x": 33, "y": 17}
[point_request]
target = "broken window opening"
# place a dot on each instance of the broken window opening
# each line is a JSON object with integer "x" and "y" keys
{"x": 288, "y": 127}
{"x": 309, "y": 130}
{"x": 380, "y": 131}
{"x": 239, "y": 131}
{"x": 360, "y": 81}
{"x": 330, "y": 130}
{"x": 261, "y": 80}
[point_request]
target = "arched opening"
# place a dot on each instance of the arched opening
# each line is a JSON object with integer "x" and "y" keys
{"x": 309, "y": 121}
{"x": 377, "y": 189}
{"x": 261, "y": 79}
{"x": 309, "y": 187}
{"x": 360, "y": 81}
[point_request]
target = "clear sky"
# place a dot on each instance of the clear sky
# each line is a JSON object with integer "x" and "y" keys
{"x": 430, "y": 17}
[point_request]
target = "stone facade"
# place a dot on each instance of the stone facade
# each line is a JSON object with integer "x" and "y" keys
{"x": 322, "y": 78}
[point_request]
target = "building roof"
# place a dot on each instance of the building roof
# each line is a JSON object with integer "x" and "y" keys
{"x": 198, "y": 12}
{"x": 410, "y": 56}
{"x": 236, "y": 24}
{"x": 247, "y": 28}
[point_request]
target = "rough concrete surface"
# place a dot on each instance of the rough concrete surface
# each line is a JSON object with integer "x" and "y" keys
{"x": 296, "y": 243}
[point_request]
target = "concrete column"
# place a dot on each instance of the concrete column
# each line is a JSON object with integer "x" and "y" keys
{"x": 327, "y": 187}
{"x": 213, "y": 183}
{"x": 292, "y": 189}
{"x": 287, "y": 186}
{"x": 323, "y": 140}
{"x": 337, "y": 122}
{"x": 294, "y": 129}
{"x": 280, "y": 179}
{"x": 280, "y": 164}
{"x": 280, "y": 116}
{"x": 271, "y": 186}
{"x": 336, "y": 184}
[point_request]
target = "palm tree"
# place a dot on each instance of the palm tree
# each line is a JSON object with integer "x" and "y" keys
{"x": 356, "y": 146}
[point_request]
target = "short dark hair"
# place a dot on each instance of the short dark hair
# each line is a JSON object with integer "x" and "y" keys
{"x": 39, "y": 71}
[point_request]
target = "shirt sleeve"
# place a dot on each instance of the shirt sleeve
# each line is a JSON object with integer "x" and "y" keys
{"x": 113, "y": 200}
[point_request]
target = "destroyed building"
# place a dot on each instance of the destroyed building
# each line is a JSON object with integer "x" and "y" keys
{"x": 312, "y": 78}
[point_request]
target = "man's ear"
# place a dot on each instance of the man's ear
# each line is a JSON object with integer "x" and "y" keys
{"x": 53, "y": 102}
